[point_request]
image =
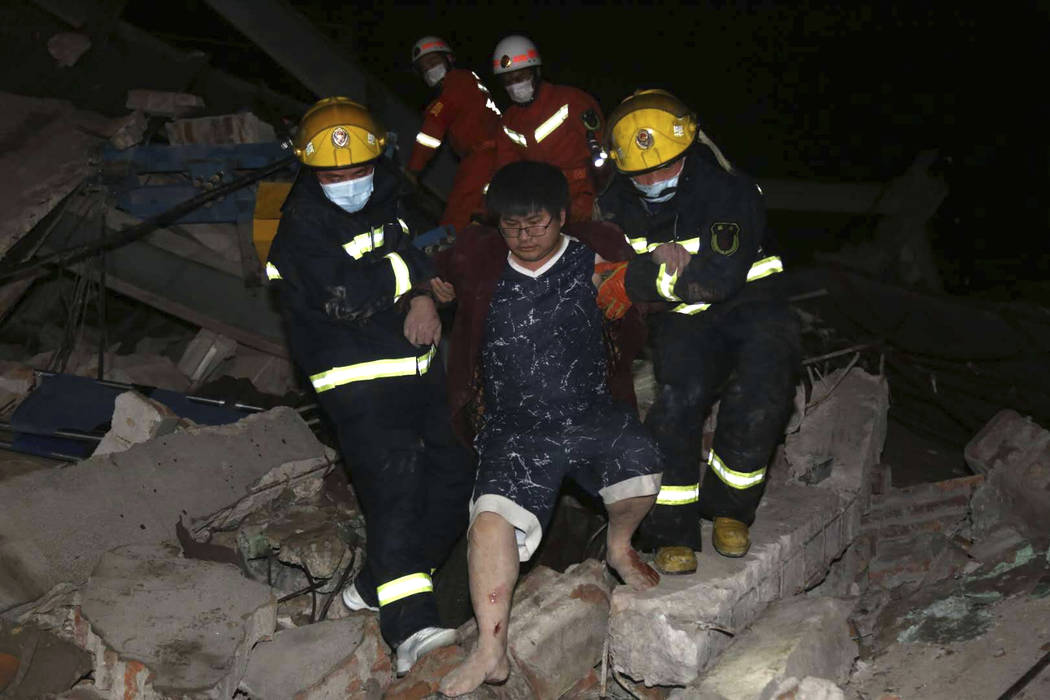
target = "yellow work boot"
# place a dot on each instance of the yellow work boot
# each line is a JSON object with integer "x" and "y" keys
{"x": 675, "y": 560}
{"x": 730, "y": 537}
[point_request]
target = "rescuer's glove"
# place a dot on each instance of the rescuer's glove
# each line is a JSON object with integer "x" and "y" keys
{"x": 612, "y": 294}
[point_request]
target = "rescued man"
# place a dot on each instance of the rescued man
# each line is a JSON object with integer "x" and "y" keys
{"x": 537, "y": 342}
{"x": 350, "y": 283}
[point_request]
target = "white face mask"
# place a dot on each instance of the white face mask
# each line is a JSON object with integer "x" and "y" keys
{"x": 433, "y": 76}
{"x": 658, "y": 191}
{"x": 350, "y": 195}
{"x": 521, "y": 92}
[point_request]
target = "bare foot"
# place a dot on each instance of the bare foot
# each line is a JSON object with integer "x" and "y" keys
{"x": 478, "y": 668}
{"x": 634, "y": 572}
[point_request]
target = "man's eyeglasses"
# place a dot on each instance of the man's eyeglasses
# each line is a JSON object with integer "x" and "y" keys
{"x": 531, "y": 230}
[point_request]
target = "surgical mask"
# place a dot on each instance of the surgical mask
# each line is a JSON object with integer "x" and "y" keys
{"x": 521, "y": 92}
{"x": 433, "y": 76}
{"x": 350, "y": 195}
{"x": 658, "y": 191}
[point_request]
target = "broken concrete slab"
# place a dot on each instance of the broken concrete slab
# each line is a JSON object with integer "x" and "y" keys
{"x": 243, "y": 127}
{"x": 794, "y": 638}
{"x": 162, "y": 103}
{"x": 331, "y": 659}
{"x": 43, "y": 664}
{"x": 40, "y": 174}
{"x": 841, "y": 436}
{"x": 267, "y": 373}
{"x": 205, "y": 353}
{"x": 67, "y": 47}
{"x": 809, "y": 688}
{"x": 130, "y": 130}
{"x": 16, "y": 381}
{"x": 557, "y": 629}
{"x": 165, "y": 626}
{"x": 136, "y": 496}
{"x": 1014, "y": 453}
{"x": 136, "y": 419}
{"x": 668, "y": 635}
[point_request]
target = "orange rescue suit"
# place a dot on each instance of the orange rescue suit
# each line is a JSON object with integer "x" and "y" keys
{"x": 550, "y": 129}
{"x": 465, "y": 112}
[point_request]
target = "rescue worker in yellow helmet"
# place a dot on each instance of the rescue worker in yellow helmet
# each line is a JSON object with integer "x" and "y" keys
{"x": 724, "y": 332}
{"x": 360, "y": 324}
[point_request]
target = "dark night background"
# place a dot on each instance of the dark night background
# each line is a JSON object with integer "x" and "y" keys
{"x": 814, "y": 90}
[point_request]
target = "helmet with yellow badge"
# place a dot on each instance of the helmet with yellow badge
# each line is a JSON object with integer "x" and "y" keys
{"x": 648, "y": 130}
{"x": 338, "y": 133}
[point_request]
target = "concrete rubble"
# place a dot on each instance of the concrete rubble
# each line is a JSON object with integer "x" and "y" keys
{"x": 201, "y": 476}
{"x": 67, "y": 47}
{"x": 671, "y": 634}
{"x": 205, "y": 353}
{"x": 136, "y": 419}
{"x": 244, "y": 127}
{"x": 167, "y": 626}
{"x": 331, "y": 659}
{"x": 162, "y": 103}
{"x": 1014, "y": 454}
{"x": 796, "y": 638}
{"x": 16, "y": 381}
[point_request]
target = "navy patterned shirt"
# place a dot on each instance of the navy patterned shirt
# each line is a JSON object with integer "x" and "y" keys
{"x": 543, "y": 350}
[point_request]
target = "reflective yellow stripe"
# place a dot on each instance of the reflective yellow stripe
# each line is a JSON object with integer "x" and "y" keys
{"x": 515, "y": 137}
{"x": 678, "y": 495}
{"x": 364, "y": 243}
{"x": 735, "y": 479}
{"x": 403, "y": 587}
{"x": 642, "y": 245}
{"x": 553, "y": 122}
{"x": 763, "y": 268}
{"x": 665, "y": 283}
{"x": 271, "y": 272}
{"x": 427, "y": 140}
{"x": 376, "y": 369}
{"x": 402, "y": 278}
{"x": 690, "y": 244}
{"x": 690, "y": 309}
{"x": 404, "y": 226}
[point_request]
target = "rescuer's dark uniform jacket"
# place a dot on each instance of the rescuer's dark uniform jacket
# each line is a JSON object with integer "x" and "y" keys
{"x": 342, "y": 280}
{"x": 722, "y": 332}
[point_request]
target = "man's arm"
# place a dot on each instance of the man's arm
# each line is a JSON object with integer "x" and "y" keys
{"x": 718, "y": 271}
{"x": 346, "y": 284}
{"x": 436, "y": 121}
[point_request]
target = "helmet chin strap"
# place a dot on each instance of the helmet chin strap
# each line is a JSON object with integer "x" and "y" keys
{"x": 702, "y": 138}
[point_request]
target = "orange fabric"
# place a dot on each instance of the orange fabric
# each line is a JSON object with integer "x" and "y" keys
{"x": 466, "y": 197}
{"x": 565, "y": 147}
{"x": 461, "y": 113}
{"x": 612, "y": 294}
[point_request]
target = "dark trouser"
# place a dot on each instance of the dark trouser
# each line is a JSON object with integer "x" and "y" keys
{"x": 413, "y": 480}
{"x": 749, "y": 355}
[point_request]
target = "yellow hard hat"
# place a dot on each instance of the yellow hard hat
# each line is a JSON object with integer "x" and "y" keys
{"x": 649, "y": 129}
{"x": 338, "y": 133}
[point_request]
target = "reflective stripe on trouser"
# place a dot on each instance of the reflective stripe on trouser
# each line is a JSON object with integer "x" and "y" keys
{"x": 413, "y": 584}
{"x": 413, "y": 480}
{"x": 375, "y": 369}
{"x": 731, "y": 477}
{"x": 748, "y": 357}
{"x": 678, "y": 495}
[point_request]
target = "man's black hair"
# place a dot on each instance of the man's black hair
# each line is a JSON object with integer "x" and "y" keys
{"x": 524, "y": 187}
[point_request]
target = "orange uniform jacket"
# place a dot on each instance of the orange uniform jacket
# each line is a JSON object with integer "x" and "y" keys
{"x": 550, "y": 129}
{"x": 466, "y": 114}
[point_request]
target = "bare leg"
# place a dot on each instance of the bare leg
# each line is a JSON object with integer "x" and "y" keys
{"x": 624, "y": 517}
{"x": 492, "y": 557}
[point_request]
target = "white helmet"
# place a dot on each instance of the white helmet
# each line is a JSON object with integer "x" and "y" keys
{"x": 513, "y": 53}
{"x": 429, "y": 44}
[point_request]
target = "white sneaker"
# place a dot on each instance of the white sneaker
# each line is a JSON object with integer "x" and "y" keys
{"x": 423, "y": 641}
{"x": 353, "y": 600}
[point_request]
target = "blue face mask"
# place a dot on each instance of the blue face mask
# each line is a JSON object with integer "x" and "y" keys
{"x": 658, "y": 191}
{"x": 350, "y": 195}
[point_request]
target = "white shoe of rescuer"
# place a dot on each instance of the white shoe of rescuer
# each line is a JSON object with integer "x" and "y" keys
{"x": 423, "y": 641}
{"x": 353, "y": 600}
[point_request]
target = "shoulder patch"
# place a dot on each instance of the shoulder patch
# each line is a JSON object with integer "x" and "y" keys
{"x": 725, "y": 237}
{"x": 436, "y": 108}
